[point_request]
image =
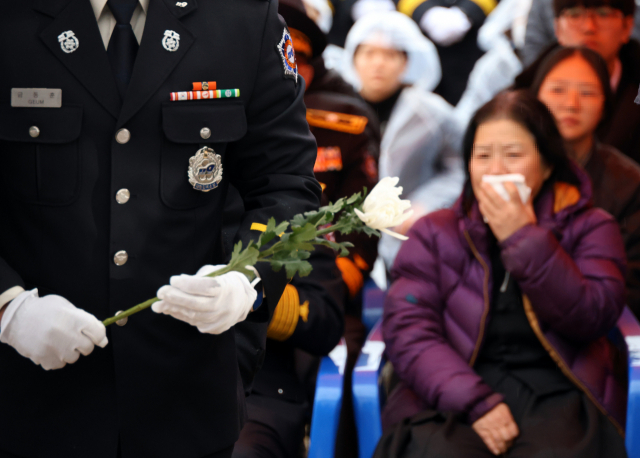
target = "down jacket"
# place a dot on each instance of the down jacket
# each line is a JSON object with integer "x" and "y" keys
{"x": 570, "y": 269}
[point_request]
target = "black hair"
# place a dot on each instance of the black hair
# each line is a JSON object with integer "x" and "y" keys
{"x": 522, "y": 107}
{"x": 628, "y": 7}
{"x": 596, "y": 62}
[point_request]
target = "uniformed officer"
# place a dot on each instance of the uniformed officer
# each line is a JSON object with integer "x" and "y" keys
{"x": 106, "y": 192}
{"x": 310, "y": 315}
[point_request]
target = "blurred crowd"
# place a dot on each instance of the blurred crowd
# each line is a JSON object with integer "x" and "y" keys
{"x": 424, "y": 90}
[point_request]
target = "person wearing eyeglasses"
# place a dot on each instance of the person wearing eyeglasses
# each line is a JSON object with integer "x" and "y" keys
{"x": 604, "y": 26}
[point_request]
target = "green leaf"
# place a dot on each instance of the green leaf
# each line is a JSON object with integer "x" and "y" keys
{"x": 354, "y": 198}
{"x": 369, "y": 231}
{"x": 302, "y": 268}
{"x": 303, "y": 234}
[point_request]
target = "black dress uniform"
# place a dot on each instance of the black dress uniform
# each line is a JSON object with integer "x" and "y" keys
{"x": 161, "y": 388}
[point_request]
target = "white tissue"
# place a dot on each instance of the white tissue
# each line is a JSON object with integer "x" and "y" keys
{"x": 497, "y": 181}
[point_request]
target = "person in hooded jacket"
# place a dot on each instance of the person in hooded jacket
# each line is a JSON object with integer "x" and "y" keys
{"x": 395, "y": 68}
{"x": 497, "y": 321}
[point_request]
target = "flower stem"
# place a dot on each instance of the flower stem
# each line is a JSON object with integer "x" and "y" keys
{"x": 150, "y": 302}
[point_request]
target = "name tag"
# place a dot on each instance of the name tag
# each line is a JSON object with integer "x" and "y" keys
{"x": 36, "y": 98}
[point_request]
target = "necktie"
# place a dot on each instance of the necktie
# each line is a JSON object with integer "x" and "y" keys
{"x": 123, "y": 46}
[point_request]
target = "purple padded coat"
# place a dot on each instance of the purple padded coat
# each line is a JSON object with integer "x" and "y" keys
{"x": 570, "y": 269}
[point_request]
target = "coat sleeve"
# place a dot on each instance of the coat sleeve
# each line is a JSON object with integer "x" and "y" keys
{"x": 310, "y": 314}
{"x": 272, "y": 166}
{"x": 11, "y": 285}
{"x": 413, "y": 330}
{"x": 581, "y": 294}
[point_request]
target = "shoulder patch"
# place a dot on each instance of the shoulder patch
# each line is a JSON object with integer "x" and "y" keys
{"x": 329, "y": 159}
{"x": 341, "y": 122}
{"x": 288, "y": 56}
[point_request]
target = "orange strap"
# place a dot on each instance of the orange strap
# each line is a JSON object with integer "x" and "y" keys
{"x": 351, "y": 275}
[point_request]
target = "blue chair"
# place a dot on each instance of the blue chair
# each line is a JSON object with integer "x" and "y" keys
{"x": 327, "y": 403}
{"x": 630, "y": 330}
{"x": 372, "y": 304}
{"x": 368, "y": 398}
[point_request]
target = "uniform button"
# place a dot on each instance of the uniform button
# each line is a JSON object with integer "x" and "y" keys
{"x": 280, "y": 391}
{"x": 34, "y": 131}
{"x": 121, "y": 258}
{"x": 205, "y": 133}
{"x": 123, "y": 321}
{"x": 123, "y": 196}
{"x": 123, "y": 136}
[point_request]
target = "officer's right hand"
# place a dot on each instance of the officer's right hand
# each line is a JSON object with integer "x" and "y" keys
{"x": 50, "y": 330}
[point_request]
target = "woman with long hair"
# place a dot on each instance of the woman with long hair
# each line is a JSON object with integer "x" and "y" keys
{"x": 496, "y": 322}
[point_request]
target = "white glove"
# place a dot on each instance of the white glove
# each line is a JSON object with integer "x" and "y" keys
{"x": 445, "y": 26}
{"x": 50, "y": 330}
{"x": 363, "y": 7}
{"x": 212, "y": 305}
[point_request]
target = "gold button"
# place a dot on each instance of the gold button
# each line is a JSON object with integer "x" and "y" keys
{"x": 205, "y": 133}
{"x": 123, "y": 196}
{"x": 123, "y": 136}
{"x": 121, "y": 258}
{"x": 34, "y": 131}
{"x": 123, "y": 321}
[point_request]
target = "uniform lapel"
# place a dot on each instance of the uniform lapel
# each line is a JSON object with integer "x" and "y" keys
{"x": 154, "y": 63}
{"x": 88, "y": 63}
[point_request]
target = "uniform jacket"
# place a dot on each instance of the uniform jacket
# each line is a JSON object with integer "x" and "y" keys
{"x": 570, "y": 269}
{"x": 616, "y": 188}
{"x": 309, "y": 317}
{"x": 160, "y": 388}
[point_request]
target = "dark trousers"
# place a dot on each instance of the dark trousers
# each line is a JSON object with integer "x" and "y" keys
{"x": 555, "y": 425}
{"x": 274, "y": 429}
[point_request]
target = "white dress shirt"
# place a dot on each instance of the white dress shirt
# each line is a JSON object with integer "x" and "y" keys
{"x": 106, "y": 21}
{"x": 106, "y": 24}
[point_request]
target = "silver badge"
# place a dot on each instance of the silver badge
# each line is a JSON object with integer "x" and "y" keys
{"x": 181, "y": 4}
{"x": 205, "y": 170}
{"x": 68, "y": 41}
{"x": 171, "y": 40}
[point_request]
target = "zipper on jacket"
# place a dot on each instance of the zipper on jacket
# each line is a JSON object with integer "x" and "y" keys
{"x": 485, "y": 289}
{"x": 564, "y": 367}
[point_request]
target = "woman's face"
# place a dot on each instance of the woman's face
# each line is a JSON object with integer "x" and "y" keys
{"x": 380, "y": 70}
{"x": 574, "y": 95}
{"x": 503, "y": 146}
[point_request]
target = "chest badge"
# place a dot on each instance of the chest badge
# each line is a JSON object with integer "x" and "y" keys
{"x": 205, "y": 170}
{"x": 288, "y": 56}
{"x": 171, "y": 40}
{"x": 68, "y": 41}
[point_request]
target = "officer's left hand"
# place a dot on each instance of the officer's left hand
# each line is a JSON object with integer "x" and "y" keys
{"x": 213, "y": 305}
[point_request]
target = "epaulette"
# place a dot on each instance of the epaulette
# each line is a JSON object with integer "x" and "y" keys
{"x": 341, "y": 122}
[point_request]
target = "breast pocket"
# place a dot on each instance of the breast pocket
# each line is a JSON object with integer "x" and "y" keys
{"x": 40, "y": 154}
{"x": 187, "y": 128}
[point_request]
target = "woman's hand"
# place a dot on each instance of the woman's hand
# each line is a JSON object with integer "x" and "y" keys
{"x": 497, "y": 429}
{"x": 504, "y": 218}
